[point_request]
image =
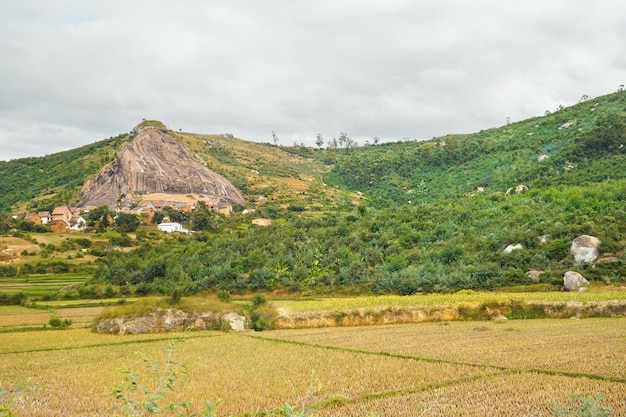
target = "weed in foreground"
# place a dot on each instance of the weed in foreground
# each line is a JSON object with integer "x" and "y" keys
{"x": 581, "y": 406}
{"x": 147, "y": 395}
{"x": 140, "y": 398}
{"x": 12, "y": 397}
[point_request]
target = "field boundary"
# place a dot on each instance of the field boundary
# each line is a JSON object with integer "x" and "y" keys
{"x": 554, "y": 372}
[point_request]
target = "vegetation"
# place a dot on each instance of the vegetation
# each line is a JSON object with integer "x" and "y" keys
{"x": 42, "y": 183}
{"x": 397, "y": 218}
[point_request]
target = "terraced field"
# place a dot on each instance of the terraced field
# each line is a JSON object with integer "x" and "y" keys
{"x": 520, "y": 368}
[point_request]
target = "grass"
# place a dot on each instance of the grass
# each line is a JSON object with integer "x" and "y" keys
{"x": 595, "y": 294}
{"x": 41, "y": 285}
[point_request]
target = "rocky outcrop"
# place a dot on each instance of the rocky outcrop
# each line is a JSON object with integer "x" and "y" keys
{"x": 518, "y": 190}
{"x": 511, "y": 248}
{"x": 573, "y": 281}
{"x": 585, "y": 249}
{"x": 166, "y": 320}
{"x": 154, "y": 162}
{"x": 534, "y": 274}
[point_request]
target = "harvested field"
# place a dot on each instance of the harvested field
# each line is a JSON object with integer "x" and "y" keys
{"x": 430, "y": 369}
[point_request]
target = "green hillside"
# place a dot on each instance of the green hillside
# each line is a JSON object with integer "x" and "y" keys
{"x": 584, "y": 145}
{"x": 41, "y": 183}
{"x": 393, "y": 218}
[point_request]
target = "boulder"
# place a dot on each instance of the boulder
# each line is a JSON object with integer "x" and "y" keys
{"x": 236, "y": 321}
{"x": 585, "y": 249}
{"x": 511, "y": 248}
{"x": 520, "y": 189}
{"x": 534, "y": 274}
{"x": 542, "y": 157}
{"x": 573, "y": 281}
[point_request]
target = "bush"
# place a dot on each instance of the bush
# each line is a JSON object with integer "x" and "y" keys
{"x": 57, "y": 323}
{"x": 12, "y": 299}
{"x": 579, "y": 406}
{"x": 224, "y": 296}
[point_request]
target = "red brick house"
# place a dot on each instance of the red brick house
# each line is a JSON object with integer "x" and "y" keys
{"x": 58, "y": 226}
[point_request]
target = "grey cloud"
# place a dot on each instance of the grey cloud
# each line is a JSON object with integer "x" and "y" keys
{"x": 79, "y": 72}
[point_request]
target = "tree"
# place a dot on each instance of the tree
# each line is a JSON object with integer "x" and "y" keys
{"x": 127, "y": 222}
{"x": 343, "y": 140}
{"x": 319, "y": 141}
{"x": 274, "y": 138}
{"x": 332, "y": 144}
{"x": 100, "y": 217}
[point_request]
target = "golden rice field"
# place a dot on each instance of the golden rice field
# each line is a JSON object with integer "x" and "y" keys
{"x": 516, "y": 368}
{"x": 594, "y": 294}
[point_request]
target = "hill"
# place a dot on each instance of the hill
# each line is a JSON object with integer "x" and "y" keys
{"x": 154, "y": 162}
{"x": 401, "y": 217}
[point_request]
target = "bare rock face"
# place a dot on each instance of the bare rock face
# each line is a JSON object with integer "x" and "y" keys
{"x": 166, "y": 320}
{"x": 573, "y": 281}
{"x": 154, "y": 163}
{"x": 585, "y": 249}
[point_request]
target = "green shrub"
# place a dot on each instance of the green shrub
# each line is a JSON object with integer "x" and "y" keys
{"x": 581, "y": 406}
{"x": 224, "y": 296}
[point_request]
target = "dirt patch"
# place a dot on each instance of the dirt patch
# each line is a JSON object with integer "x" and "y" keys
{"x": 295, "y": 183}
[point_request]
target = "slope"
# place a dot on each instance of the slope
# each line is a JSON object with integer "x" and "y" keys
{"x": 578, "y": 145}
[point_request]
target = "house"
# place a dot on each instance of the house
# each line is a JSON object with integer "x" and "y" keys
{"x": 156, "y": 205}
{"x": 184, "y": 207}
{"x": 262, "y": 222}
{"x": 171, "y": 227}
{"x": 58, "y": 226}
{"x": 146, "y": 214}
{"x": 62, "y": 213}
{"x": 224, "y": 207}
{"x": 45, "y": 216}
{"x": 77, "y": 223}
{"x": 33, "y": 218}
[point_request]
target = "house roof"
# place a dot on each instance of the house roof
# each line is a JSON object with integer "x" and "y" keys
{"x": 61, "y": 210}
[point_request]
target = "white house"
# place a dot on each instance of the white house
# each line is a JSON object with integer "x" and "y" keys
{"x": 172, "y": 227}
{"x": 77, "y": 223}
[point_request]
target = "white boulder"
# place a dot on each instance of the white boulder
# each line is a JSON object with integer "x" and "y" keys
{"x": 573, "y": 281}
{"x": 511, "y": 248}
{"x": 585, "y": 249}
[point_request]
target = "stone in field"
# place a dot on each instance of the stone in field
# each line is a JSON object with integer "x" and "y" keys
{"x": 573, "y": 281}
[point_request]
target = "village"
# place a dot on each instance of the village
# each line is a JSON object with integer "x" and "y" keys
{"x": 65, "y": 218}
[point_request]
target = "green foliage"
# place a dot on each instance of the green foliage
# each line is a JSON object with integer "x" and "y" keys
{"x": 262, "y": 315}
{"x": 423, "y": 223}
{"x": 224, "y": 296}
{"x": 58, "y": 176}
{"x": 582, "y": 406}
{"x": 126, "y": 222}
{"x": 12, "y": 396}
{"x": 57, "y": 323}
{"x": 12, "y": 299}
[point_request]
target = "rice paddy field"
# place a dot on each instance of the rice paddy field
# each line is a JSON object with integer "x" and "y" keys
{"x": 464, "y": 368}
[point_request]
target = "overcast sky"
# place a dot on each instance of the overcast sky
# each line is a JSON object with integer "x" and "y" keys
{"x": 73, "y": 72}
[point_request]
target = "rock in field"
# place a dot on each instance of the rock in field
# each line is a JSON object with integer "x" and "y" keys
{"x": 573, "y": 281}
